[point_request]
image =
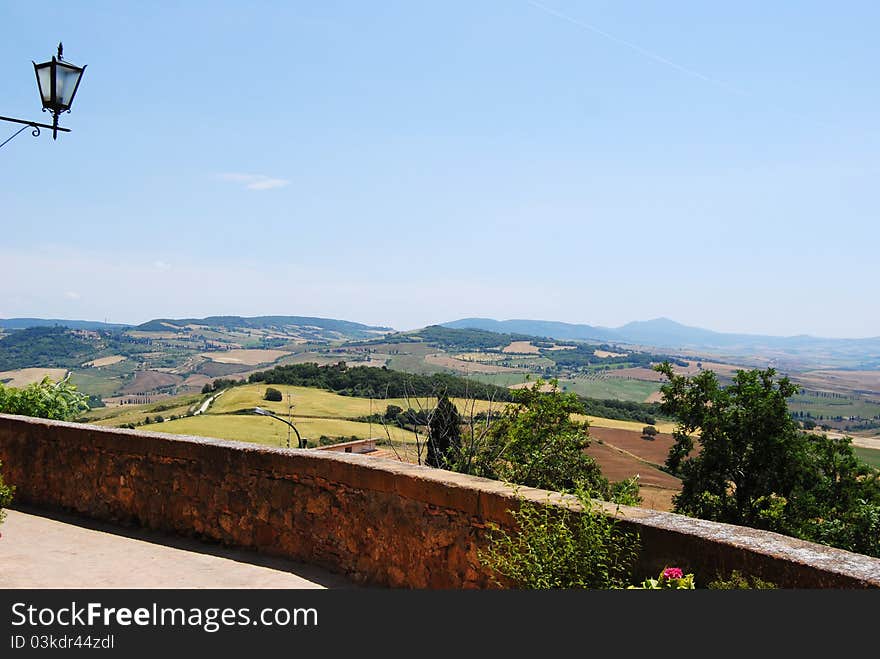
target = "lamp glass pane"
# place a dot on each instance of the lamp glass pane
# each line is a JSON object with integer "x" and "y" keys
{"x": 44, "y": 76}
{"x": 65, "y": 85}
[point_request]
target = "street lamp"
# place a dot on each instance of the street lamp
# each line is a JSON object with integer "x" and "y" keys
{"x": 301, "y": 442}
{"x": 57, "y": 82}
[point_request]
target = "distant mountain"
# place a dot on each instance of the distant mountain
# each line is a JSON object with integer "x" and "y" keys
{"x": 545, "y": 328}
{"x": 666, "y": 333}
{"x": 25, "y": 323}
{"x": 342, "y": 328}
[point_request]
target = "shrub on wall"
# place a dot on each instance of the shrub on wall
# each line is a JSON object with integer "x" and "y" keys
{"x": 45, "y": 399}
{"x": 554, "y": 547}
{"x": 739, "y": 581}
{"x": 6, "y": 493}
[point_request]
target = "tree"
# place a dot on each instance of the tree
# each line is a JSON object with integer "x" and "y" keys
{"x": 649, "y": 432}
{"x": 392, "y": 412}
{"x": 444, "y": 433}
{"x": 536, "y": 442}
{"x": 839, "y": 503}
{"x": 755, "y": 467}
{"x": 273, "y": 394}
{"x": 749, "y": 444}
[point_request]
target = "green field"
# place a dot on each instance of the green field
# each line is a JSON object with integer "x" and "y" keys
{"x": 824, "y": 406}
{"x": 415, "y": 364}
{"x": 103, "y": 381}
{"x": 602, "y": 388}
{"x": 611, "y": 388}
{"x": 503, "y": 379}
{"x": 869, "y": 455}
{"x": 118, "y": 415}
{"x": 309, "y": 402}
{"x": 635, "y": 426}
{"x": 320, "y": 404}
{"x": 530, "y": 362}
{"x": 263, "y": 430}
{"x": 316, "y": 412}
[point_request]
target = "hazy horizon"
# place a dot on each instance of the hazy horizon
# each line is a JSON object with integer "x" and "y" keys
{"x": 414, "y": 327}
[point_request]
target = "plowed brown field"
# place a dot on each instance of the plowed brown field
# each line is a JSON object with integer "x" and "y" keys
{"x": 621, "y": 455}
{"x": 653, "y": 450}
{"x": 617, "y": 465}
{"x": 147, "y": 381}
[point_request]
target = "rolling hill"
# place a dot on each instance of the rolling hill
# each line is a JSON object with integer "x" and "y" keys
{"x": 666, "y": 333}
{"x": 335, "y": 328}
{"x": 26, "y": 323}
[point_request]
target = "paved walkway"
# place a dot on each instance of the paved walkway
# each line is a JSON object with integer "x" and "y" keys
{"x": 38, "y": 551}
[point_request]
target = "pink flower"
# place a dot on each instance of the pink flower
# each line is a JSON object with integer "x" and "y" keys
{"x": 672, "y": 573}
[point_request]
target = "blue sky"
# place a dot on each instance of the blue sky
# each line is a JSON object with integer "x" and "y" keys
{"x": 406, "y": 163}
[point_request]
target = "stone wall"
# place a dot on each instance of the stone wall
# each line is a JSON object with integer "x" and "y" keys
{"x": 379, "y": 521}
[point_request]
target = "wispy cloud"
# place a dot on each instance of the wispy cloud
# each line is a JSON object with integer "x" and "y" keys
{"x": 72, "y": 295}
{"x": 161, "y": 265}
{"x": 255, "y": 181}
{"x": 642, "y": 51}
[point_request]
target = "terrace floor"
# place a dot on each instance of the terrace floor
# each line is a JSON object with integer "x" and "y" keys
{"x": 43, "y": 550}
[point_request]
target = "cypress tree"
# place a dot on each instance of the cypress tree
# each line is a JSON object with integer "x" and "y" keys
{"x": 444, "y": 433}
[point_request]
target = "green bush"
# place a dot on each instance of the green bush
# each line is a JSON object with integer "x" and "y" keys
{"x": 273, "y": 395}
{"x": 554, "y": 547}
{"x": 626, "y": 492}
{"x": 45, "y": 399}
{"x": 6, "y": 493}
{"x": 738, "y": 581}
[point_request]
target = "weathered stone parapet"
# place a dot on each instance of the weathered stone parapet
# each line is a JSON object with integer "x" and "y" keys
{"x": 379, "y": 521}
